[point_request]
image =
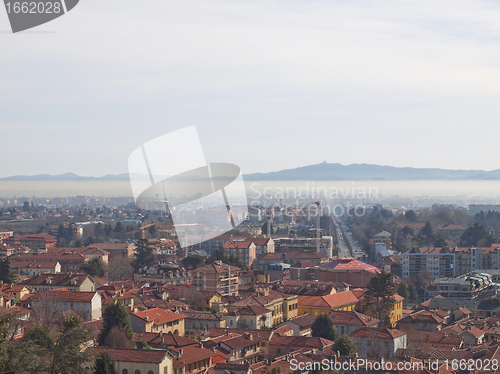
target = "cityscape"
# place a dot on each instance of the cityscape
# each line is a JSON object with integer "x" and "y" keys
{"x": 249, "y": 187}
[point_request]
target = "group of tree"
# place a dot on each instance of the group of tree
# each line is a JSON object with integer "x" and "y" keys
{"x": 380, "y": 297}
{"x": 41, "y": 352}
{"x": 94, "y": 267}
{"x": 38, "y": 352}
{"x": 144, "y": 255}
{"x": 6, "y": 274}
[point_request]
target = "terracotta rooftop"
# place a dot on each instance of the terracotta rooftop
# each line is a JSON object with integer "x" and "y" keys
{"x": 132, "y": 355}
{"x": 159, "y": 316}
{"x": 351, "y": 318}
{"x": 377, "y": 333}
{"x": 349, "y": 264}
{"x": 169, "y": 340}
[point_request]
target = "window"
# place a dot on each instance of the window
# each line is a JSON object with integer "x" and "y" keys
{"x": 137, "y": 371}
{"x": 124, "y": 371}
{"x": 150, "y": 372}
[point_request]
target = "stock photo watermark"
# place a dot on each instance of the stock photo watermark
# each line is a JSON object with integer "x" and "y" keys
{"x": 24, "y": 15}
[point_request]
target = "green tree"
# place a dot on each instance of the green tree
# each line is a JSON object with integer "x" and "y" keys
{"x": 404, "y": 290}
{"x": 104, "y": 364}
{"x": 41, "y": 336}
{"x": 380, "y": 296}
{"x": 344, "y": 346}
{"x": 427, "y": 234}
{"x": 411, "y": 216}
{"x": 193, "y": 261}
{"x": 322, "y": 327}
{"x": 6, "y": 274}
{"x": 142, "y": 344}
{"x": 117, "y": 315}
{"x": 476, "y": 236}
{"x": 144, "y": 255}
{"x": 94, "y": 268}
{"x": 68, "y": 354}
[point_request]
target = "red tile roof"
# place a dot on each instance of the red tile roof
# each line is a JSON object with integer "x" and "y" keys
{"x": 159, "y": 316}
{"x": 133, "y": 355}
{"x": 329, "y": 301}
{"x": 377, "y": 333}
{"x": 349, "y": 264}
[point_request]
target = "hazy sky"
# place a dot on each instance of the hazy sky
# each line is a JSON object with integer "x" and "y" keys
{"x": 269, "y": 84}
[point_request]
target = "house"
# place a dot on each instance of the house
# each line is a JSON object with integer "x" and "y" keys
{"x": 252, "y": 316}
{"x": 156, "y": 320}
{"x": 217, "y": 277}
{"x": 346, "y": 322}
{"x": 377, "y": 342}
{"x": 301, "y": 325}
{"x": 72, "y": 282}
{"x": 317, "y": 305}
{"x": 304, "y": 271}
{"x": 135, "y": 361}
{"x": 86, "y": 304}
{"x": 18, "y": 291}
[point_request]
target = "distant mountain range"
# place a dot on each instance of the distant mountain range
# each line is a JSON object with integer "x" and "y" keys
{"x": 336, "y": 172}
{"x": 319, "y": 172}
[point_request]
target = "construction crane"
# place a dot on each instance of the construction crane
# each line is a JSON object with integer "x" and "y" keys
{"x": 146, "y": 226}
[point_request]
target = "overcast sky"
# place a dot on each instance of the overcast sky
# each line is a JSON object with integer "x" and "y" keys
{"x": 269, "y": 84}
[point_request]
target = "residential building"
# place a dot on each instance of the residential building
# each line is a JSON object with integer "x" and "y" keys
{"x": 134, "y": 361}
{"x": 200, "y": 321}
{"x": 192, "y": 359}
{"x": 269, "y": 260}
{"x": 70, "y": 261}
{"x": 217, "y": 277}
{"x": 282, "y": 345}
{"x": 253, "y": 276}
{"x": 33, "y": 241}
{"x": 378, "y": 342}
{"x": 283, "y": 306}
{"x": 427, "y": 262}
{"x": 301, "y": 325}
{"x": 115, "y": 249}
{"x": 251, "y": 316}
{"x": 243, "y": 250}
{"x": 317, "y": 305}
{"x": 346, "y": 322}
{"x": 31, "y": 268}
{"x": 156, "y": 320}
{"x": 263, "y": 245}
{"x": 348, "y": 270}
{"x": 86, "y": 304}
{"x": 450, "y": 231}
{"x": 72, "y": 282}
